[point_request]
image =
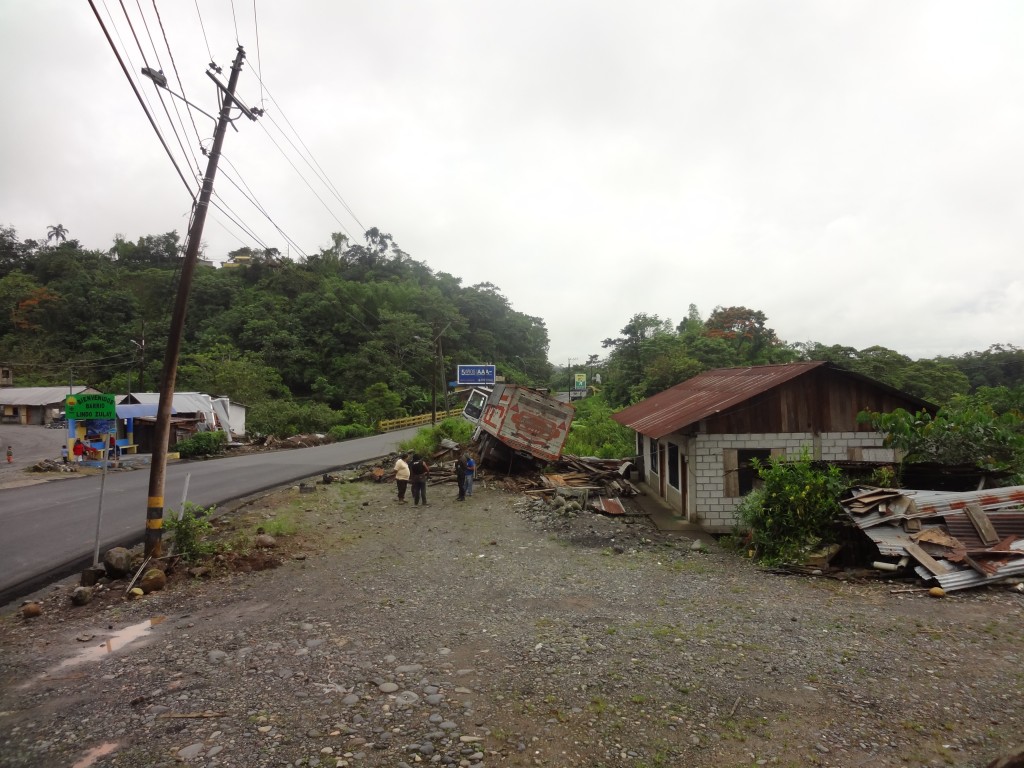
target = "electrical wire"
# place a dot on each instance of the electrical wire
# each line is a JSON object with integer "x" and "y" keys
{"x": 138, "y": 95}
{"x": 322, "y": 175}
{"x": 177, "y": 76}
{"x": 259, "y": 57}
{"x": 306, "y": 181}
{"x": 160, "y": 95}
{"x": 235, "y": 19}
{"x": 256, "y": 204}
{"x": 229, "y": 212}
{"x": 205, "y": 39}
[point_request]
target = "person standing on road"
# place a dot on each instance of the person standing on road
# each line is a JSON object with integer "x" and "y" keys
{"x": 470, "y": 472}
{"x": 419, "y": 469}
{"x": 460, "y": 477}
{"x": 10, "y": 455}
{"x": 79, "y": 450}
{"x": 402, "y": 476}
{"x": 64, "y": 452}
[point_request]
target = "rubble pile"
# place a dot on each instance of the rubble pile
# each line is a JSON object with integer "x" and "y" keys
{"x": 53, "y": 465}
{"x": 959, "y": 540}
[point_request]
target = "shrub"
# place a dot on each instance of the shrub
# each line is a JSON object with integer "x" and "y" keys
{"x": 796, "y": 509}
{"x": 593, "y": 433}
{"x": 347, "y": 431}
{"x": 202, "y": 444}
{"x": 188, "y": 529}
{"x": 427, "y": 440}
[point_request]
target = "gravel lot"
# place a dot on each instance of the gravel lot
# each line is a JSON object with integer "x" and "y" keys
{"x": 502, "y": 631}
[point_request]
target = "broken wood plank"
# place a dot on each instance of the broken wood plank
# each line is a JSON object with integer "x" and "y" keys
{"x": 924, "y": 558}
{"x": 983, "y": 526}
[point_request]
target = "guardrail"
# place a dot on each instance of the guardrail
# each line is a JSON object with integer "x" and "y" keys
{"x": 390, "y": 425}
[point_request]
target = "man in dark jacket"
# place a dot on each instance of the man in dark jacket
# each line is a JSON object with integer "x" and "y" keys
{"x": 418, "y": 471}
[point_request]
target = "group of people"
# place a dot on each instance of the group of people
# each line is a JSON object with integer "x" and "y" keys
{"x": 413, "y": 471}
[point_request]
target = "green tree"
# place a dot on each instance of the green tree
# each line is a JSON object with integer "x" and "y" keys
{"x": 58, "y": 233}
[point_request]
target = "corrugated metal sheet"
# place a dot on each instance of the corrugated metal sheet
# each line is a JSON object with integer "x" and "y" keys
{"x": 885, "y": 528}
{"x": 704, "y": 395}
{"x": 183, "y": 402}
{"x": 40, "y": 396}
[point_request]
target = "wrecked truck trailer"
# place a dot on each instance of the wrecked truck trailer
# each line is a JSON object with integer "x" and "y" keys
{"x": 519, "y": 420}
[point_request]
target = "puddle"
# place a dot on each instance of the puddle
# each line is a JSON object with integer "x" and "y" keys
{"x": 114, "y": 642}
{"x": 94, "y": 754}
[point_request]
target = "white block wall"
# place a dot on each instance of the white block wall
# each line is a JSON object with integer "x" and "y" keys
{"x": 717, "y": 513}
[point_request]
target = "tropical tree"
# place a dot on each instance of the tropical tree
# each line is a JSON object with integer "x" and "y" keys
{"x": 58, "y": 233}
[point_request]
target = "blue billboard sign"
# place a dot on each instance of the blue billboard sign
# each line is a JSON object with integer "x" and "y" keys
{"x": 475, "y": 374}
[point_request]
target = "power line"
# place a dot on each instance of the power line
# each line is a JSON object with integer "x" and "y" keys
{"x": 203, "y": 27}
{"x": 228, "y": 211}
{"x": 252, "y": 199}
{"x": 160, "y": 96}
{"x": 181, "y": 85}
{"x": 138, "y": 95}
{"x": 235, "y": 19}
{"x": 259, "y": 58}
{"x": 322, "y": 175}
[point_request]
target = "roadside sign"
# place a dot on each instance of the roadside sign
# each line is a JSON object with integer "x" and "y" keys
{"x": 581, "y": 381}
{"x": 86, "y": 407}
{"x": 475, "y": 374}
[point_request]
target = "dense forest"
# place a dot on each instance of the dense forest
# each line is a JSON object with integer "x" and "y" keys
{"x": 362, "y": 331}
{"x": 350, "y": 325}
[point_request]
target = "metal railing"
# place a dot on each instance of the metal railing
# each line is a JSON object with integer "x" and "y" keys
{"x": 390, "y": 425}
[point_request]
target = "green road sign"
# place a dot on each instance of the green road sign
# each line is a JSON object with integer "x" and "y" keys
{"x": 581, "y": 381}
{"x": 84, "y": 407}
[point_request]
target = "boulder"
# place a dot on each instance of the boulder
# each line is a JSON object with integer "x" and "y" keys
{"x": 265, "y": 541}
{"x": 135, "y": 593}
{"x": 31, "y": 610}
{"x": 82, "y": 595}
{"x": 153, "y": 580}
{"x": 118, "y": 562}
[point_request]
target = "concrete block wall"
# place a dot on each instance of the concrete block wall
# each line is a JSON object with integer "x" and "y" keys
{"x": 718, "y": 513}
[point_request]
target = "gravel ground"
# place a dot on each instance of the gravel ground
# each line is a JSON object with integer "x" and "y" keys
{"x": 503, "y": 631}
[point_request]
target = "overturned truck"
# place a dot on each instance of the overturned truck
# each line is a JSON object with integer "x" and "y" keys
{"x": 521, "y": 423}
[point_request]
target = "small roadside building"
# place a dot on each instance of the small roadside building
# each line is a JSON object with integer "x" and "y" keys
{"x": 695, "y": 441}
{"x": 36, "y": 405}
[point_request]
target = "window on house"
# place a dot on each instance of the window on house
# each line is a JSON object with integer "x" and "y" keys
{"x": 740, "y": 476}
{"x": 652, "y": 455}
{"x": 673, "y": 465}
{"x": 747, "y": 475}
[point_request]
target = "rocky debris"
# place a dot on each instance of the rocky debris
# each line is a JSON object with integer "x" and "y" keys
{"x": 82, "y": 595}
{"x": 53, "y": 465}
{"x": 153, "y": 580}
{"x": 117, "y": 562}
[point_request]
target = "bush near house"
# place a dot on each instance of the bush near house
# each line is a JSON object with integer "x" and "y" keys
{"x": 201, "y": 444}
{"x": 795, "y": 510}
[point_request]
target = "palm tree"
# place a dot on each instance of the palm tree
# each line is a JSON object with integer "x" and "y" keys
{"x": 59, "y": 233}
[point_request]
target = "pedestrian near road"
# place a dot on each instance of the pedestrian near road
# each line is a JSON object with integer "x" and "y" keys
{"x": 470, "y": 473}
{"x": 64, "y": 452}
{"x": 460, "y": 477}
{"x": 79, "y": 450}
{"x": 418, "y": 472}
{"x": 402, "y": 476}
{"x": 10, "y": 455}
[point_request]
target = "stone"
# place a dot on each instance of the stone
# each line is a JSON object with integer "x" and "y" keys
{"x": 117, "y": 562}
{"x": 697, "y": 546}
{"x": 153, "y": 580}
{"x": 191, "y": 751}
{"x": 136, "y": 592}
{"x": 937, "y": 592}
{"x": 31, "y": 610}
{"x": 91, "y": 575}
{"x": 82, "y": 595}
{"x": 265, "y": 541}
{"x": 387, "y": 687}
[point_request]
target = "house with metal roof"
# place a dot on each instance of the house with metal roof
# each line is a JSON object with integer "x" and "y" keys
{"x": 695, "y": 442}
{"x": 36, "y": 405}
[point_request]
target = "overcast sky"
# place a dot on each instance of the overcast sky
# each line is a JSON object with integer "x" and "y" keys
{"x": 855, "y": 170}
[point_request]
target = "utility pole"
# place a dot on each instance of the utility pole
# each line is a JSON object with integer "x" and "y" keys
{"x": 158, "y": 468}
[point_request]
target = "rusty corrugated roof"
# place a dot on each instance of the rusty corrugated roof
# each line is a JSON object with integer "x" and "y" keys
{"x": 704, "y": 395}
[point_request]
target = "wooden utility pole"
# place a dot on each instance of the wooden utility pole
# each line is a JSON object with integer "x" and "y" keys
{"x": 158, "y": 468}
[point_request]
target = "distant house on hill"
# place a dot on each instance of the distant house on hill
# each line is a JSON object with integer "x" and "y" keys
{"x": 36, "y": 405}
{"x": 695, "y": 441}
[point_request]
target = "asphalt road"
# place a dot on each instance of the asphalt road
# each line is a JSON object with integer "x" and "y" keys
{"x": 48, "y": 530}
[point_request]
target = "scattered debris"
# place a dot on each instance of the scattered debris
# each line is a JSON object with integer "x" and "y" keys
{"x": 959, "y": 540}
